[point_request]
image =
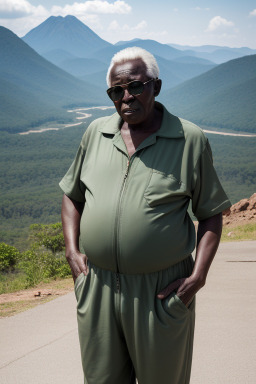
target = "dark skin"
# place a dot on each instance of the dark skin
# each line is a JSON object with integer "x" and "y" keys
{"x": 140, "y": 116}
{"x": 208, "y": 238}
{"x": 71, "y": 213}
{"x": 140, "y": 120}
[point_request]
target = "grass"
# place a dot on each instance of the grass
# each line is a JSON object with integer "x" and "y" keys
{"x": 13, "y": 308}
{"x": 12, "y": 282}
{"x": 239, "y": 233}
{"x": 20, "y": 301}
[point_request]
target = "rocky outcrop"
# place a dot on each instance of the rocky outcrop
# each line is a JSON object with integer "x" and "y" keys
{"x": 242, "y": 212}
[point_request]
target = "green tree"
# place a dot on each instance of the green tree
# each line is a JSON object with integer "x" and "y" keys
{"x": 8, "y": 257}
{"x": 49, "y": 236}
{"x": 45, "y": 258}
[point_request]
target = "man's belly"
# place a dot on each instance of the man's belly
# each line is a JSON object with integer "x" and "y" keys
{"x": 135, "y": 240}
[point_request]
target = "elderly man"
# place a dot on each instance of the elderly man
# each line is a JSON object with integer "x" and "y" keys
{"x": 125, "y": 202}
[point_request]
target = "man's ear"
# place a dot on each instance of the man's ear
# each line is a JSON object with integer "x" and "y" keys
{"x": 157, "y": 87}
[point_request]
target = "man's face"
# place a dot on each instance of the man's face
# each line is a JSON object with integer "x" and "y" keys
{"x": 133, "y": 109}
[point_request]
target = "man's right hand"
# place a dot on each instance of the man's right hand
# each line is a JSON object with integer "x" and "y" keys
{"x": 71, "y": 213}
{"x": 78, "y": 263}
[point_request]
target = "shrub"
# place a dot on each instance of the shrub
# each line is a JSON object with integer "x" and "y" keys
{"x": 8, "y": 257}
{"x": 49, "y": 235}
{"x": 43, "y": 260}
{"x": 39, "y": 264}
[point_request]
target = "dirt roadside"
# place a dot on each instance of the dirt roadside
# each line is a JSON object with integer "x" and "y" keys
{"x": 15, "y": 302}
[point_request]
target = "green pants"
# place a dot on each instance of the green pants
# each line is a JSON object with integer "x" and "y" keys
{"x": 125, "y": 331}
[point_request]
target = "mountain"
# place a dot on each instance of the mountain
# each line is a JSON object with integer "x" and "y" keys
{"x": 122, "y": 42}
{"x": 156, "y": 48}
{"x": 221, "y": 55}
{"x": 223, "y": 97}
{"x": 174, "y": 72}
{"x": 175, "y": 67}
{"x": 57, "y": 56}
{"x": 245, "y": 51}
{"x": 65, "y": 33}
{"x": 214, "y": 53}
{"x": 193, "y": 60}
{"x": 82, "y": 67}
{"x": 33, "y": 90}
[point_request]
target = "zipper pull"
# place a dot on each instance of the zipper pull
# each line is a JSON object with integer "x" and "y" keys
{"x": 127, "y": 169}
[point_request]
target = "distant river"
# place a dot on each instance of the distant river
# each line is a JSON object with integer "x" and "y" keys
{"x": 229, "y": 134}
{"x": 84, "y": 115}
{"x": 81, "y": 116}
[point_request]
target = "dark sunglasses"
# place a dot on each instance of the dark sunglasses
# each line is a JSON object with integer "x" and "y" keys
{"x": 134, "y": 88}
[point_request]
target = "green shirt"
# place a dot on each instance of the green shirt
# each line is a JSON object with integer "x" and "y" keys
{"x": 135, "y": 218}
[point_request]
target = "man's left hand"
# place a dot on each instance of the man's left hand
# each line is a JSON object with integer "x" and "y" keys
{"x": 185, "y": 289}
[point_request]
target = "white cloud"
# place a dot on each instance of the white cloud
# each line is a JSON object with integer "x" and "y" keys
{"x": 253, "y": 13}
{"x": 142, "y": 25}
{"x": 13, "y": 9}
{"x": 114, "y": 26}
{"x": 218, "y": 22}
{"x": 95, "y": 6}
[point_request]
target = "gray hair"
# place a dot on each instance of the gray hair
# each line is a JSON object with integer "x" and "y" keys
{"x": 133, "y": 53}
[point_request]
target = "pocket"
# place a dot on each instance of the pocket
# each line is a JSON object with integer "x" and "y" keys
{"x": 174, "y": 306}
{"x": 78, "y": 284}
{"x": 163, "y": 188}
{"x": 180, "y": 303}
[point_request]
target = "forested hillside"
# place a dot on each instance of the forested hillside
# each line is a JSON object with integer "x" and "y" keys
{"x": 222, "y": 97}
{"x": 34, "y": 91}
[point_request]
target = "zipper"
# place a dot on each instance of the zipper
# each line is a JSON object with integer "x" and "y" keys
{"x": 117, "y": 224}
{"x": 118, "y": 287}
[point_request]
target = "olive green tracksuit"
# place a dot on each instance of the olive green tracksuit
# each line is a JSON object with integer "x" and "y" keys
{"x": 138, "y": 237}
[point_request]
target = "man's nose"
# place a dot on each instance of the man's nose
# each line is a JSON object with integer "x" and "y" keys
{"x": 127, "y": 95}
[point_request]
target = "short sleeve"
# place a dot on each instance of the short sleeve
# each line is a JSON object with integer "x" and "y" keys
{"x": 208, "y": 197}
{"x": 71, "y": 184}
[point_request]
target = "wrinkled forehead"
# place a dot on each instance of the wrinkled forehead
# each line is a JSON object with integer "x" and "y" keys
{"x": 128, "y": 69}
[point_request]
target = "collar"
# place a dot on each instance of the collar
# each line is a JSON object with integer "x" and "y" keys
{"x": 171, "y": 126}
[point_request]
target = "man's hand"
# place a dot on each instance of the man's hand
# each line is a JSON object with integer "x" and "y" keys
{"x": 208, "y": 238}
{"x": 71, "y": 215}
{"x": 78, "y": 264}
{"x": 185, "y": 289}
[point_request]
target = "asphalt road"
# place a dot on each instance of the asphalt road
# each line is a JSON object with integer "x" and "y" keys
{"x": 40, "y": 346}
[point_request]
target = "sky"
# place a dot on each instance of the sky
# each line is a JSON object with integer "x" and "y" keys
{"x": 186, "y": 22}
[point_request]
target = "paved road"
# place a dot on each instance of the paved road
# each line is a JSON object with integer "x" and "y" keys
{"x": 40, "y": 346}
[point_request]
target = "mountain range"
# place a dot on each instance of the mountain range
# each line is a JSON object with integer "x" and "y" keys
{"x": 33, "y": 90}
{"x": 82, "y": 53}
{"x": 222, "y": 97}
{"x": 63, "y": 63}
{"x": 214, "y": 53}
